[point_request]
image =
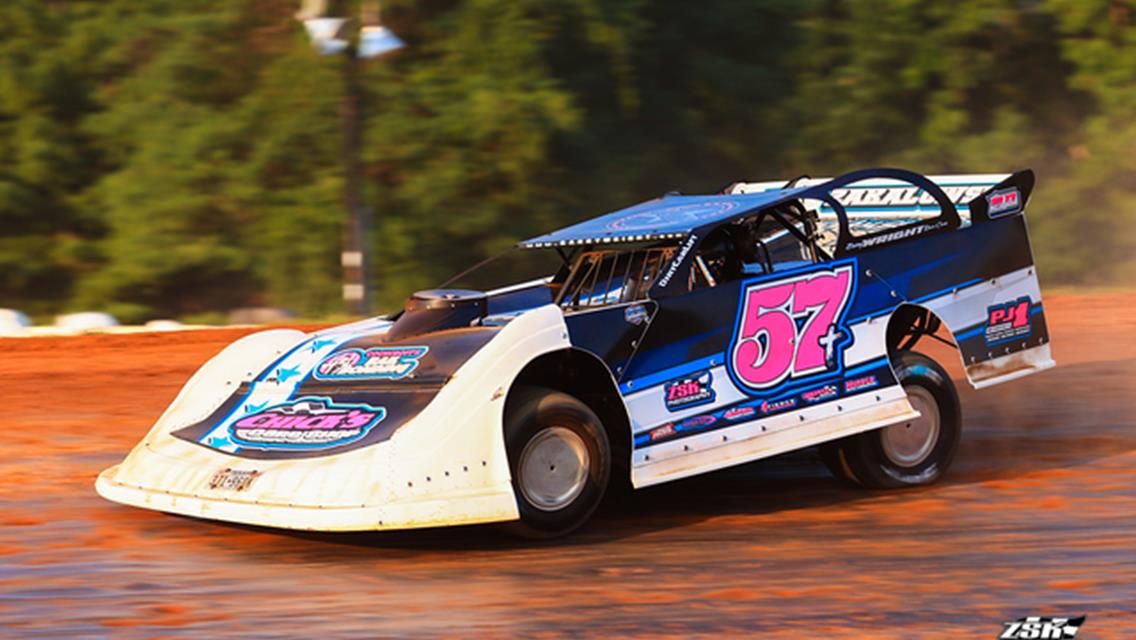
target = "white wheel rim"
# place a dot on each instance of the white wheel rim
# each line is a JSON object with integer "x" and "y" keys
{"x": 554, "y": 468}
{"x": 909, "y": 443}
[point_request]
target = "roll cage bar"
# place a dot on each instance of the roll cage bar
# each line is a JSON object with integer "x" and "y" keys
{"x": 682, "y": 258}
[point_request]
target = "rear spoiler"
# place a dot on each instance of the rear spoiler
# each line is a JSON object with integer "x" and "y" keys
{"x": 977, "y": 197}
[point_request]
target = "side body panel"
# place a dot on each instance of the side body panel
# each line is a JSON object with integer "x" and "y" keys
{"x": 749, "y": 369}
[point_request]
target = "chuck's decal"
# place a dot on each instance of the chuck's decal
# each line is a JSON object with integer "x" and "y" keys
{"x": 1008, "y": 321}
{"x": 792, "y": 329}
{"x": 391, "y": 363}
{"x": 691, "y": 391}
{"x": 306, "y": 423}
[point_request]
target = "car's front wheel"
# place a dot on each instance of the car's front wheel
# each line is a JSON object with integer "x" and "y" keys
{"x": 910, "y": 453}
{"x": 560, "y": 460}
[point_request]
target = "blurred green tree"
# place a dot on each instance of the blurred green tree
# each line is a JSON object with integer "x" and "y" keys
{"x": 173, "y": 158}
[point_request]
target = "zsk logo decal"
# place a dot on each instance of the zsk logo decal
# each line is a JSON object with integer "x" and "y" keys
{"x": 791, "y": 329}
{"x": 392, "y": 363}
{"x": 1003, "y": 202}
{"x": 1008, "y": 320}
{"x": 306, "y": 423}
{"x": 1042, "y": 628}
{"x": 689, "y": 392}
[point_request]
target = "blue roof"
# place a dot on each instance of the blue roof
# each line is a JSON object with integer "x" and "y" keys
{"x": 672, "y": 216}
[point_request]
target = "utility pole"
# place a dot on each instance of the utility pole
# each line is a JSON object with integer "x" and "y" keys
{"x": 331, "y": 36}
{"x": 357, "y": 228}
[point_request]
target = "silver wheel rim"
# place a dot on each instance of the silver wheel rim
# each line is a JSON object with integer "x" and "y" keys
{"x": 909, "y": 443}
{"x": 554, "y": 468}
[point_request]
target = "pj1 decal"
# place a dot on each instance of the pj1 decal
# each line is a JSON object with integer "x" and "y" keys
{"x": 1008, "y": 320}
{"x": 391, "y": 363}
{"x": 305, "y": 423}
{"x": 792, "y": 329}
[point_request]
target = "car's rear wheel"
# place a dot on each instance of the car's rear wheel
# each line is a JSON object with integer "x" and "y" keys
{"x": 911, "y": 453}
{"x": 560, "y": 461}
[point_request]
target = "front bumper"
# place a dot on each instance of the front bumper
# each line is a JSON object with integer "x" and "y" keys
{"x": 471, "y": 506}
{"x": 445, "y": 466}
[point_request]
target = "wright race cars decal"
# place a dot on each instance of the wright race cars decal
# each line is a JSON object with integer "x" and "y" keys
{"x": 391, "y": 363}
{"x": 792, "y": 329}
{"x": 306, "y": 423}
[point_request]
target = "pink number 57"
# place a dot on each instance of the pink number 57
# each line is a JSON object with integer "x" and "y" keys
{"x": 769, "y": 347}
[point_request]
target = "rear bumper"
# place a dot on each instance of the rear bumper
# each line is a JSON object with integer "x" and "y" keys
{"x": 483, "y": 505}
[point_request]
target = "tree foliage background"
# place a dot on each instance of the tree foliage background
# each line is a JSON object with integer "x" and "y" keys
{"x": 178, "y": 157}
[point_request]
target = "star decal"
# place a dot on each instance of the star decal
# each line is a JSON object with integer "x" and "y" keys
{"x": 320, "y": 343}
{"x": 283, "y": 374}
{"x": 218, "y": 442}
{"x": 251, "y": 408}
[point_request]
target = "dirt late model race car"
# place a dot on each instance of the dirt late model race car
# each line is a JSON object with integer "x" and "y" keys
{"x": 678, "y": 336}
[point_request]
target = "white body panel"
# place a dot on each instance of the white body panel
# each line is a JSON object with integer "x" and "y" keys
{"x": 445, "y": 466}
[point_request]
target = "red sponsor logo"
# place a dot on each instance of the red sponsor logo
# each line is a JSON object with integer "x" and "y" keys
{"x": 739, "y": 413}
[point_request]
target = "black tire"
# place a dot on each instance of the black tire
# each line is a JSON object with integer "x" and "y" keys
{"x": 887, "y": 458}
{"x": 830, "y": 455}
{"x": 543, "y": 427}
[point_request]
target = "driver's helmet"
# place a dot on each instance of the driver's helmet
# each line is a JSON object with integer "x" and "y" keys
{"x": 719, "y": 252}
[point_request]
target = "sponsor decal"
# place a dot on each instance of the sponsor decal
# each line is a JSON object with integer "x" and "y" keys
{"x": 697, "y": 421}
{"x": 662, "y": 432}
{"x": 1042, "y": 628}
{"x": 903, "y": 197}
{"x": 859, "y": 384}
{"x": 776, "y": 406}
{"x": 306, "y": 423}
{"x": 1007, "y": 321}
{"x": 390, "y": 363}
{"x": 690, "y": 391}
{"x": 691, "y": 212}
{"x": 792, "y": 328}
{"x": 678, "y": 259}
{"x": 636, "y": 314}
{"x": 232, "y": 479}
{"x": 739, "y": 413}
{"x": 899, "y": 234}
{"x": 1003, "y": 202}
{"x": 813, "y": 396}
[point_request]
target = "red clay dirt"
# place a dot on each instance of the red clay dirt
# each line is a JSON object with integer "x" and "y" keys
{"x": 1037, "y": 517}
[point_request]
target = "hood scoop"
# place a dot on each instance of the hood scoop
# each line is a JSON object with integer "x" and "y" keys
{"x": 438, "y": 309}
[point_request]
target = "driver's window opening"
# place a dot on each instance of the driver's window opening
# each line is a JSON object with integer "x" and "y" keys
{"x": 777, "y": 239}
{"x": 607, "y": 277}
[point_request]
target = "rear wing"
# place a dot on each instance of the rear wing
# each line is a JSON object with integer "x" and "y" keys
{"x": 888, "y": 198}
{"x": 865, "y": 208}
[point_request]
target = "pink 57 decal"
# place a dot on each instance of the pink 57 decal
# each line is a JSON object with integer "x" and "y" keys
{"x": 792, "y": 328}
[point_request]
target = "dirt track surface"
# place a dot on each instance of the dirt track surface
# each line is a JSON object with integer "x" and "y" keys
{"x": 1037, "y": 517}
